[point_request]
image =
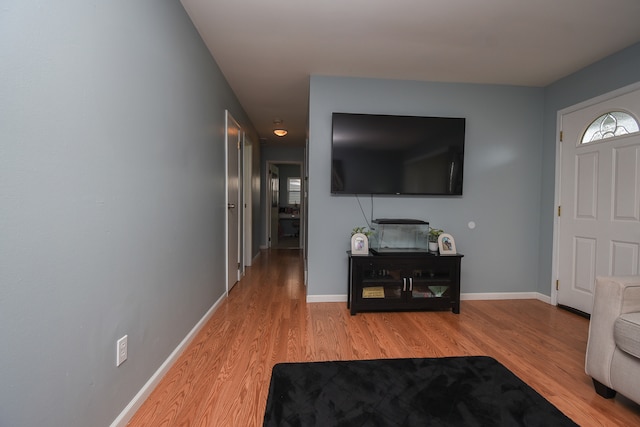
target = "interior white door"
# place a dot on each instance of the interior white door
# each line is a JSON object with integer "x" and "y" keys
{"x": 233, "y": 134}
{"x": 599, "y": 222}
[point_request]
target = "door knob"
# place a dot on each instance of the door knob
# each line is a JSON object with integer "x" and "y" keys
{"x": 231, "y": 205}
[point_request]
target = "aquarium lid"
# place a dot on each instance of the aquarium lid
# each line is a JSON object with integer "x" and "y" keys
{"x": 398, "y": 221}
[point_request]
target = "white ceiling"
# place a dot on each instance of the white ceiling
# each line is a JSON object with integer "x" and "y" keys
{"x": 268, "y": 49}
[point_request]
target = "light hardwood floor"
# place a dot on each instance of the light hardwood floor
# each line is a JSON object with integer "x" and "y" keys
{"x": 222, "y": 379}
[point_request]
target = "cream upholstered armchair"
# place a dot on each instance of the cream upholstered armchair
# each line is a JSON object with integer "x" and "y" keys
{"x": 613, "y": 348}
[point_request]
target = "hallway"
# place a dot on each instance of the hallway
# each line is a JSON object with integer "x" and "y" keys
{"x": 289, "y": 242}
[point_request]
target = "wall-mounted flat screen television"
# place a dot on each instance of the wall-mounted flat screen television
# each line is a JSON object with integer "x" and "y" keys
{"x": 405, "y": 155}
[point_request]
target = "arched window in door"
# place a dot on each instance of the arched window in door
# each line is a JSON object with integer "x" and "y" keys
{"x": 608, "y": 125}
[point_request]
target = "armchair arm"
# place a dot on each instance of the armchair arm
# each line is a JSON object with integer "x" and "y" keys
{"x": 613, "y": 296}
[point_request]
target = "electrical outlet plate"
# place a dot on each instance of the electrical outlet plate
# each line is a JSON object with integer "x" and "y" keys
{"x": 121, "y": 350}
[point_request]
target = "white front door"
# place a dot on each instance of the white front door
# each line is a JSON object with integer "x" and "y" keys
{"x": 233, "y": 133}
{"x": 599, "y": 194}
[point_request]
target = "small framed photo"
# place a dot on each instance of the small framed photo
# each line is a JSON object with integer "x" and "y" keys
{"x": 446, "y": 244}
{"x": 359, "y": 244}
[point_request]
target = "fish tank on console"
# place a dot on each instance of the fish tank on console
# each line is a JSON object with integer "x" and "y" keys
{"x": 399, "y": 237}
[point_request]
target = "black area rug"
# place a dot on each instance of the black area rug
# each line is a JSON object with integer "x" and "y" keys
{"x": 449, "y": 391}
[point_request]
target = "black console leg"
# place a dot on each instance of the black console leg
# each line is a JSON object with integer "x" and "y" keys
{"x": 455, "y": 308}
{"x": 603, "y": 390}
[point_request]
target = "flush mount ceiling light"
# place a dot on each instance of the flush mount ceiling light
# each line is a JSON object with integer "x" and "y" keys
{"x": 279, "y": 130}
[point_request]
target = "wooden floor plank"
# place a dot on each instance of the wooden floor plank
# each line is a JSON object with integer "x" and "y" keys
{"x": 222, "y": 378}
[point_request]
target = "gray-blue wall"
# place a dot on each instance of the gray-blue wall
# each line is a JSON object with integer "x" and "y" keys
{"x": 112, "y": 215}
{"x": 501, "y": 179}
{"x": 509, "y": 182}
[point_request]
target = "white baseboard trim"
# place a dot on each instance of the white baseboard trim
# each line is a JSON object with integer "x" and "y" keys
{"x": 327, "y": 298}
{"x": 485, "y": 296}
{"x": 129, "y": 411}
{"x": 544, "y": 298}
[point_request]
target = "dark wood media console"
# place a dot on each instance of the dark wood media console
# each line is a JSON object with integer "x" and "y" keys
{"x": 404, "y": 282}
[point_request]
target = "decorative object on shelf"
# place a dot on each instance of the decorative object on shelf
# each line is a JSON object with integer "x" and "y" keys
{"x": 360, "y": 240}
{"x": 363, "y": 230}
{"x": 359, "y": 244}
{"x": 438, "y": 291}
{"x": 434, "y": 233}
{"x": 446, "y": 244}
{"x": 373, "y": 292}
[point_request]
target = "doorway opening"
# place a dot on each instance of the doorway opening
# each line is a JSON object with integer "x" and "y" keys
{"x": 285, "y": 213}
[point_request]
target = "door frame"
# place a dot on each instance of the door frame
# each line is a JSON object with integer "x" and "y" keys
{"x": 303, "y": 207}
{"x": 229, "y": 119}
{"x": 556, "y": 202}
{"x": 269, "y": 207}
{"x": 246, "y": 184}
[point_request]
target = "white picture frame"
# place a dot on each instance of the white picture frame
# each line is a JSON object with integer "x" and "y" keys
{"x": 359, "y": 244}
{"x": 446, "y": 244}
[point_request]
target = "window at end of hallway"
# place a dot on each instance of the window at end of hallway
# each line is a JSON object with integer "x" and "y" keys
{"x": 293, "y": 191}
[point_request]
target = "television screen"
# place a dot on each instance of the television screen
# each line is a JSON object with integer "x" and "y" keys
{"x": 407, "y": 155}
